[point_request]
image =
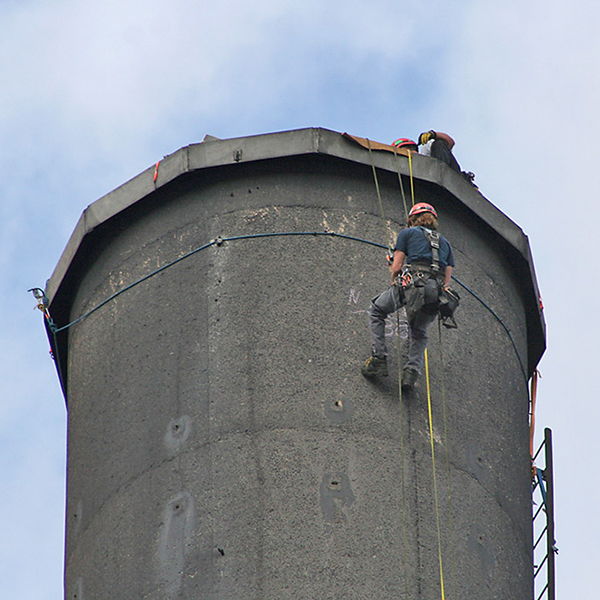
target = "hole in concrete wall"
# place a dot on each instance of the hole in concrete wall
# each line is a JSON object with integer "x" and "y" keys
{"x": 78, "y": 517}
{"x": 178, "y": 432}
{"x": 336, "y": 498}
{"x": 78, "y": 590}
{"x": 338, "y": 410}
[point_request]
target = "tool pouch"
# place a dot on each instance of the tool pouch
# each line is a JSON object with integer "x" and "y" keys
{"x": 431, "y": 296}
{"x": 422, "y": 294}
{"x": 449, "y": 301}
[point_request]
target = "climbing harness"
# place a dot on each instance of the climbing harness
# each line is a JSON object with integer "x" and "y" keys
{"x": 425, "y": 280}
{"x": 433, "y": 238}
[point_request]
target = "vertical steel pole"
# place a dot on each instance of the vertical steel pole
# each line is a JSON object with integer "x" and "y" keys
{"x": 550, "y": 542}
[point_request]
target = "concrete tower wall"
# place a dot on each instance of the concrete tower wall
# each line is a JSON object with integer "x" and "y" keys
{"x": 222, "y": 442}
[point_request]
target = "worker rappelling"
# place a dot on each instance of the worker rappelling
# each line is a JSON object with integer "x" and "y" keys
{"x": 421, "y": 271}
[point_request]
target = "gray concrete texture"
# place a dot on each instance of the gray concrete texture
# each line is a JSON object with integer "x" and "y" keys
{"x": 222, "y": 442}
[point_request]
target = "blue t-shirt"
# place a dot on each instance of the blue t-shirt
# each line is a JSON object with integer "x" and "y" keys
{"x": 415, "y": 244}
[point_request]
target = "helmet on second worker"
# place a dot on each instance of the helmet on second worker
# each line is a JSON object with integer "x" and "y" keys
{"x": 402, "y": 142}
{"x": 422, "y": 207}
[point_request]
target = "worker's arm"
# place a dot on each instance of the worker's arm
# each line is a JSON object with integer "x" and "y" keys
{"x": 396, "y": 266}
{"x": 447, "y": 276}
{"x": 440, "y": 135}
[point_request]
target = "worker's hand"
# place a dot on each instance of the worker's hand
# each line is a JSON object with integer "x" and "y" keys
{"x": 426, "y": 137}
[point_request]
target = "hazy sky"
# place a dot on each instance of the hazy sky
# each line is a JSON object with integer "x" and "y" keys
{"x": 93, "y": 93}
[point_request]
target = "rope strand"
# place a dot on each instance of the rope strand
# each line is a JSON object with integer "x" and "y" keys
{"x": 54, "y": 329}
{"x": 448, "y": 470}
{"x": 410, "y": 171}
{"x": 435, "y": 490}
{"x": 401, "y": 184}
{"x": 389, "y": 229}
{"x": 402, "y": 474}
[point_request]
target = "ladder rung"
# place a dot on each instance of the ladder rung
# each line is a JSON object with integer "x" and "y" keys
{"x": 543, "y": 592}
{"x": 540, "y": 566}
{"x": 540, "y": 537}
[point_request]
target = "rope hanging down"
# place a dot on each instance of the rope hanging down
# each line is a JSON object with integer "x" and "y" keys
{"x": 390, "y": 255}
{"x": 435, "y": 490}
{"x": 398, "y": 346}
{"x": 429, "y": 403}
{"x": 448, "y": 469}
{"x": 402, "y": 472}
{"x": 410, "y": 172}
{"x": 389, "y": 229}
{"x": 402, "y": 185}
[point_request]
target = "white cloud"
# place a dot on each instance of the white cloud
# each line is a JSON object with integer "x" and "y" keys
{"x": 127, "y": 67}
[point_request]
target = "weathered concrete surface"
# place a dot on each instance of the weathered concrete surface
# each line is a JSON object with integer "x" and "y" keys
{"x": 222, "y": 442}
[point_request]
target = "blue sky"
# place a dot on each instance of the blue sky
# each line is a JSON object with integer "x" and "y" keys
{"x": 93, "y": 93}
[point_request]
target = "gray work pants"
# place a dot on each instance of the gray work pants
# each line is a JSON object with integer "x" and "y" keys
{"x": 387, "y": 303}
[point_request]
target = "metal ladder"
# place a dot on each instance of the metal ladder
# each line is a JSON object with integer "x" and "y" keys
{"x": 543, "y": 528}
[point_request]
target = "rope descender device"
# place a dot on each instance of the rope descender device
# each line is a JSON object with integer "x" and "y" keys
{"x": 42, "y": 300}
{"x": 42, "y": 304}
{"x": 390, "y": 255}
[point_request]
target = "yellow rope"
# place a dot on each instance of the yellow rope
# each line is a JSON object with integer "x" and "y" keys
{"x": 412, "y": 187}
{"x": 402, "y": 472}
{"x": 435, "y": 491}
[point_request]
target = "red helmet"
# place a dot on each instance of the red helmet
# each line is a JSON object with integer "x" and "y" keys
{"x": 404, "y": 142}
{"x": 422, "y": 207}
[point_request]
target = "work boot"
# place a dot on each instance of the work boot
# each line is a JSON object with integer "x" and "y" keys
{"x": 409, "y": 378}
{"x": 375, "y": 366}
